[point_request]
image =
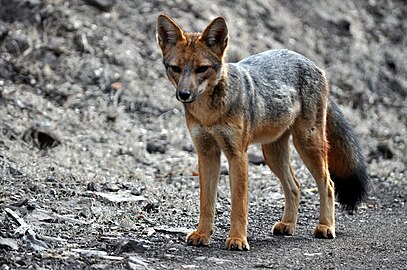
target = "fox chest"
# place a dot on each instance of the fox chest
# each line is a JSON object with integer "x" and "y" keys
{"x": 229, "y": 139}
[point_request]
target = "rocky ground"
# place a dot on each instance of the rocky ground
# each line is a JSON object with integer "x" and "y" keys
{"x": 96, "y": 165}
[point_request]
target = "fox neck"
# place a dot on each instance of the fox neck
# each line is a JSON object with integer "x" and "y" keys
{"x": 211, "y": 105}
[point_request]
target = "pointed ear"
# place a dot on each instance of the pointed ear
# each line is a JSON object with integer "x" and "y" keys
{"x": 168, "y": 33}
{"x": 216, "y": 36}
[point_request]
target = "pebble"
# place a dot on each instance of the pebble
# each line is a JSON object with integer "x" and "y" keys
{"x": 137, "y": 191}
{"x": 89, "y": 253}
{"x": 385, "y": 151}
{"x": 17, "y": 46}
{"x": 111, "y": 187}
{"x": 3, "y": 32}
{"x": 256, "y": 159}
{"x": 104, "y": 5}
{"x": 130, "y": 246}
{"x": 8, "y": 243}
{"x": 157, "y": 146}
{"x": 41, "y": 138}
{"x": 92, "y": 186}
{"x": 224, "y": 170}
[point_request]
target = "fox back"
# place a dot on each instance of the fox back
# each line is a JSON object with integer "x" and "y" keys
{"x": 277, "y": 86}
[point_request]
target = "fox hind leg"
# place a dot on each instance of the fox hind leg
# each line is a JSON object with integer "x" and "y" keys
{"x": 311, "y": 144}
{"x": 277, "y": 157}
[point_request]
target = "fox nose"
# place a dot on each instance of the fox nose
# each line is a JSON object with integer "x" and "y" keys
{"x": 184, "y": 95}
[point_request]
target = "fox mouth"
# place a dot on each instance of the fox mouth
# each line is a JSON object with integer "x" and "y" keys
{"x": 186, "y": 101}
{"x": 193, "y": 98}
{"x": 190, "y": 100}
{"x": 189, "y": 96}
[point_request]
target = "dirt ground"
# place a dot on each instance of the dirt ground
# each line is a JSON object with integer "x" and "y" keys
{"x": 96, "y": 163}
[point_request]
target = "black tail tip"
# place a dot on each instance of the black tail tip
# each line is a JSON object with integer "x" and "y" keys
{"x": 352, "y": 189}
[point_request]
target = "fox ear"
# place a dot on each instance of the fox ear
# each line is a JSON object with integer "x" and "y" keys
{"x": 168, "y": 33}
{"x": 216, "y": 36}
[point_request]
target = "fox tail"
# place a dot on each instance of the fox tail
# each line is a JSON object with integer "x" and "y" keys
{"x": 346, "y": 163}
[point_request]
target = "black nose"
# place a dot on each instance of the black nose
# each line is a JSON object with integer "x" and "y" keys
{"x": 184, "y": 95}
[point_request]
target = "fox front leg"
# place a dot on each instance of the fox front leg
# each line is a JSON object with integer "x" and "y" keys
{"x": 209, "y": 168}
{"x": 237, "y": 239}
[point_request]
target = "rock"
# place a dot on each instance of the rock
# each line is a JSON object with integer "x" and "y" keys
{"x": 19, "y": 203}
{"x": 3, "y": 32}
{"x": 343, "y": 26}
{"x": 99, "y": 266}
{"x": 136, "y": 262}
{"x": 313, "y": 254}
{"x": 218, "y": 261}
{"x": 385, "y": 151}
{"x": 256, "y": 159}
{"x": 40, "y": 138}
{"x": 8, "y": 243}
{"x": 173, "y": 230}
{"x": 111, "y": 114}
{"x": 188, "y": 148}
{"x": 34, "y": 243}
{"x": 111, "y": 187}
{"x": 157, "y": 146}
{"x": 390, "y": 61}
{"x": 27, "y": 12}
{"x": 224, "y": 170}
{"x": 39, "y": 216}
{"x": 104, "y": 5}
{"x": 190, "y": 266}
{"x": 5, "y": 71}
{"x": 92, "y": 186}
{"x": 48, "y": 57}
{"x": 130, "y": 246}
{"x": 16, "y": 174}
{"x": 116, "y": 86}
{"x": 150, "y": 207}
{"x": 89, "y": 253}
{"x": 137, "y": 191}
{"x": 50, "y": 178}
{"x": 117, "y": 197}
{"x": 17, "y": 46}
{"x": 275, "y": 196}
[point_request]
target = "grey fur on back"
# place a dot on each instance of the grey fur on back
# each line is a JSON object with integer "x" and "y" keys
{"x": 277, "y": 83}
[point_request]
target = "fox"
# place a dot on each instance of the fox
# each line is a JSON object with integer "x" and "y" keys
{"x": 264, "y": 99}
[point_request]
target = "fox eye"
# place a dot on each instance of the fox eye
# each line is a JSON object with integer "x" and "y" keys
{"x": 175, "y": 69}
{"x": 201, "y": 69}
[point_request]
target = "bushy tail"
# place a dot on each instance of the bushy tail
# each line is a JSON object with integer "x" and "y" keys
{"x": 345, "y": 160}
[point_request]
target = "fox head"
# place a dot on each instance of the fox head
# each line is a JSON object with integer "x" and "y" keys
{"x": 193, "y": 61}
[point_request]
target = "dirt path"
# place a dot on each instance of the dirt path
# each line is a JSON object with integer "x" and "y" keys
{"x": 124, "y": 229}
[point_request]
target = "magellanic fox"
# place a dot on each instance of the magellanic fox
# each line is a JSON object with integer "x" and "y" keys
{"x": 264, "y": 99}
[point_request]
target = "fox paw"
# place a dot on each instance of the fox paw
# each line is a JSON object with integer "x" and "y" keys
{"x": 282, "y": 228}
{"x": 324, "y": 232}
{"x": 236, "y": 243}
{"x": 197, "y": 239}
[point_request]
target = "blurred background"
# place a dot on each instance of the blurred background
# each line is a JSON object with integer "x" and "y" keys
{"x": 89, "y": 73}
